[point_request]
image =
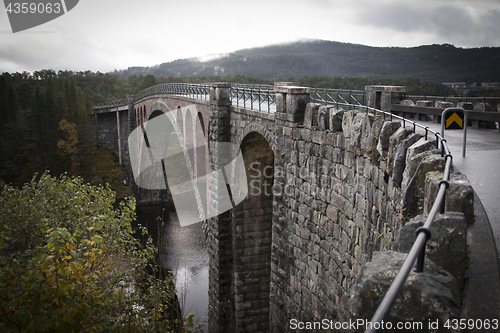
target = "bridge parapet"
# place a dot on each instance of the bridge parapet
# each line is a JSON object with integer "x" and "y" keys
{"x": 341, "y": 183}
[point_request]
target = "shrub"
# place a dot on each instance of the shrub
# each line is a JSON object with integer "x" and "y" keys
{"x": 69, "y": 262}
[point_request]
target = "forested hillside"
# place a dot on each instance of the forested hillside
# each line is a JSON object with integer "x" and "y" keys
{"x": 440, "y": 63}
{"x": 46, "y": 116}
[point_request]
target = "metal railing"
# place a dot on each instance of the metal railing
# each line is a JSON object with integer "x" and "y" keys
{"x": 257, "y": 97}
{"x": 105, "y": 105}
{"x": 338, "y": 96}
{"x": 197, "y": 91}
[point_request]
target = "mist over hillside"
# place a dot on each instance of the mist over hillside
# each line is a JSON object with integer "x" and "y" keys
{"x": 441, "y": 63}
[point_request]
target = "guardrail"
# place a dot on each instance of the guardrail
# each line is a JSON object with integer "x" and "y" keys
{"x": 338, "y": 96}
{"x": 493, "y": 101}
{"x": 257, "y": 97}
{"x": 197, "y": 91}
{"x": 417, "y": 252}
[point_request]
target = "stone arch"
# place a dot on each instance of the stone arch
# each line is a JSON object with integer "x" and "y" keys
{"x": 201, "y": 142}
{"x": 156, "y": 106}
{"x": 260, "y": 129}
{"x": 252, "y": 236}
{"x": 202, "y": 123}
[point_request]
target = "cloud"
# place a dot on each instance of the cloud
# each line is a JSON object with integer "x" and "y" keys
{"x": 103, "y": 36}
{"x": 467, "y": 24}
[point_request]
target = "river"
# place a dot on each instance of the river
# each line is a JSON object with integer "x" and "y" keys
{"x": 184, "y": 253}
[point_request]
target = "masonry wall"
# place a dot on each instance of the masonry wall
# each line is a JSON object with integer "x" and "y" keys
{"x": 337, "y": 205}
{"x": 342, "y": 183}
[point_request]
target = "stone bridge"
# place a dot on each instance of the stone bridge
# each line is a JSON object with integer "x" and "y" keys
{"x": 328, "y": 186}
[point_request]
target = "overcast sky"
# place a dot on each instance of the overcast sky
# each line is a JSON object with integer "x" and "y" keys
{"x": 100, "y": 35}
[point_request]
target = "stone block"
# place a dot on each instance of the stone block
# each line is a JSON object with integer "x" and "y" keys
{"x": 394, "y": 141}
{"x": 447, "y": 246}
{"x": 483, "y": 107}
{"x": 311, "y": 115}
{"x": 407, "y": 102}
{"x": 444, "y": 104}
{"x": 419, "y": 147}
{"x": 335, "y": 116}
{"x": 412, "y": 164}
{"x": 323, "y": 122}
{"x": 413, "y": 190}
{"x": 387, "y": 130}
{"x": 352, "y": 124}
{"x": 459, "y": 195}
{"x": 428, "y": 296}
{"x": 296, "y": 104}
{"x": 280, "y": 103}
{"x": 426, "y": 104}
{"x": 465, "y": 105}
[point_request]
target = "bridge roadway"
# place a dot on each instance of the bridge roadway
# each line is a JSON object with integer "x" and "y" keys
{"x": 481, "y": 165}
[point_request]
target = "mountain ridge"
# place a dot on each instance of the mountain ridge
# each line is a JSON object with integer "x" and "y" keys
{"x": 436, "y": 62}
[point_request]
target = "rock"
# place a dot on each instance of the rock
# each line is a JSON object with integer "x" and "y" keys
{"x": 465, "y": 105}
{"x": 399, "y": 163}
{"x": 444, "y": 104}
{"x": 394, "y": 141}
{"x": 311, "y": 115}
{"x": 425, "y": 297}
{"x": 413, "y": 190}
{"x": 407, "y": 102}
{"x": 483, "y": 107}
{"x": 419, "y": 147}
{"x": 387, "y": 130}
{"x": 352, "y": 125}
{"x": 447, "y": 246}
{"x": 335, "y": 116}
{"x": 459, "y": 195}
{"x": 427, "y": 104}
{"x": 322, "y": 118}
{"x": 411, "y": 165}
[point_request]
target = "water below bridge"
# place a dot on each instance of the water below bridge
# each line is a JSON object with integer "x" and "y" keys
{"x": 184, "y": 252}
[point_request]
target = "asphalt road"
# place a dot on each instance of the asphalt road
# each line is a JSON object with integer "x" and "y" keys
{"x": 481, "y": 165}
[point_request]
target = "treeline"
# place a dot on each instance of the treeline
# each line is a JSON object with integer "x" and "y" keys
{"x": 46, "y": 125}
{"x": 46, "y": 116}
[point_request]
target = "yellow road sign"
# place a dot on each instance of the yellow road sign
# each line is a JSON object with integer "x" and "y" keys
{"x": 454, "y": 121}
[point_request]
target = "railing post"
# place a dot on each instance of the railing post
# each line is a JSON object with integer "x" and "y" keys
{"x": 421, "y": 254}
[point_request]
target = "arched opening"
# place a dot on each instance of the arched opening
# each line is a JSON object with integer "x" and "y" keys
{"x": 201, "y": 122}
{"x": 201, "y": 143}
{"x": 252, "y": 237}
{"x": 188, "y": 136}
{"x": 179, "y": 119}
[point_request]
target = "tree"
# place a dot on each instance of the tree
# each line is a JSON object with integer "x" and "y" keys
{"x": 69, "y": 145}
{"x": 69, "y": 262}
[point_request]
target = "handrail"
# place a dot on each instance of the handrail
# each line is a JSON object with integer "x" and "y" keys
{"x": 417, "y": 252}
{"x": 260, "y": 94}
{"x": 338, "y": 96}
{"x": 194, "y": 90}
